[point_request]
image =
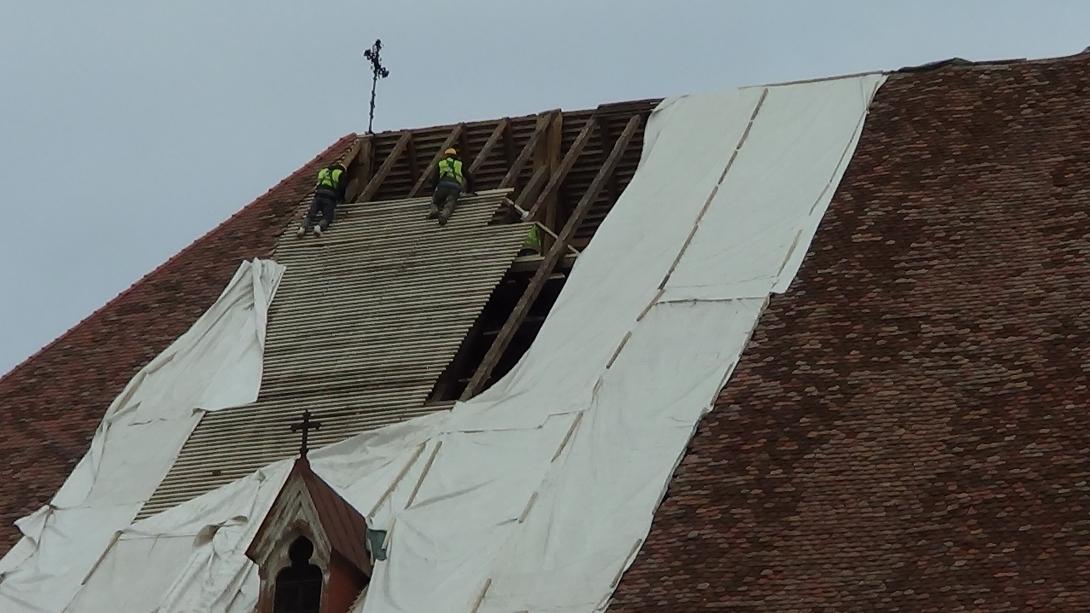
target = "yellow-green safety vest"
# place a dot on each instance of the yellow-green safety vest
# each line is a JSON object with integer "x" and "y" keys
{"x": 329, "y": 178}
{"x": 533, "y": 239}
{"x": 451, "y": 170}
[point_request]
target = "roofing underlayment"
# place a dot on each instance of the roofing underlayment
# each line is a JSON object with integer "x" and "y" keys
{"x": 905, "y": 429}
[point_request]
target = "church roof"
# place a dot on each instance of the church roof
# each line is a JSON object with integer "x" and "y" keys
{"x": 907, "y": 426}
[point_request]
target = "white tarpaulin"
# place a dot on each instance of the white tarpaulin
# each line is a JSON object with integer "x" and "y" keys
{"x": 190, "y": 559}
{"x": 216, "y": 364}
{"x": 536, "y": 495}
{"x": 540, "y": 491}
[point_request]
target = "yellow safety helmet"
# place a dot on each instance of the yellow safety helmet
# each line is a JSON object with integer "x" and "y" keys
{"x": 451, "y": 151}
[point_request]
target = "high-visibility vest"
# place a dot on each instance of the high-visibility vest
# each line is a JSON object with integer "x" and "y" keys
{"x": 533, "y": 239}
{"x": 450, "y": 169}
{"x": 329, "y": 178}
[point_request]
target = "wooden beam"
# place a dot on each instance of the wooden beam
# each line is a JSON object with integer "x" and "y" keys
{"x": 511, "y": 178}
{"x": 349, "y": 157}
{"x": 550, "y": 154}
{"x": 552, "y": 256}
{"x": 530, "y": 192}
{"x": 497, "y": 133}
{"x": 451, "y": 138}
{"x": 376, "y": 181}
{"x": 565, "y": 167}
{"x": 463, "y": 145}
{"x": 362, "y": 172}
{"x": 509, "y": 146}
{"x": 605, "y": 135}
{"x": 410, "y": 151}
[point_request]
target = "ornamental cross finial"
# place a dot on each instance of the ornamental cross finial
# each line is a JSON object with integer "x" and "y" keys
{"x": 305, "y": 426}
{"x": 378, "y": 72}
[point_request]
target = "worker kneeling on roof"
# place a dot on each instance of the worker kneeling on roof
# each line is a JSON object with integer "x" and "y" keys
{"x": 328, "y": 193}
{"x": 451, "y": 179}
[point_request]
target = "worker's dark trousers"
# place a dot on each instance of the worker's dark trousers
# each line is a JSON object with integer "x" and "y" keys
{"x": 324, "y": 206}
{"x": 445, "y": 197}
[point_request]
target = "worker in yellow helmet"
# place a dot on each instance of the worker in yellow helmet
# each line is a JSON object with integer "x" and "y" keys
{"x": 328, "y": 192}
{"x": 451, "y": 179}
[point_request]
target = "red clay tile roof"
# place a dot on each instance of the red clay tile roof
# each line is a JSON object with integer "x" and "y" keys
{"x": 344, "y": 526}
{"x": 909, "y": 428}
{"x": 51, "y": 404}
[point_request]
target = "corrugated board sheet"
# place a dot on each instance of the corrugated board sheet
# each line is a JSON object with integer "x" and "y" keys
{"x": 364, "y": 322}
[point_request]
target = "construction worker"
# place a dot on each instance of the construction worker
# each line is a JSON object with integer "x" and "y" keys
{"x": 532, "y": 246}
{"x": 451, "y": 179}
{"x": 513, "y": 214}
{"x": 328, "y": 193}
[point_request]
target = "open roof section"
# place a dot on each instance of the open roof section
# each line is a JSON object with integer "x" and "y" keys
{"x": 363, "y": 323}
{"x": 51, "y": 403}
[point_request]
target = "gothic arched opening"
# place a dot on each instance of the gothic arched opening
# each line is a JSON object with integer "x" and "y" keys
{"x": 299, "y": 585}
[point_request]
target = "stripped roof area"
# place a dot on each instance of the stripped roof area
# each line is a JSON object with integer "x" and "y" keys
{"x": 51, "y": 403}
{"x": 908, "y": 428}
{"x": 365, "y": 320}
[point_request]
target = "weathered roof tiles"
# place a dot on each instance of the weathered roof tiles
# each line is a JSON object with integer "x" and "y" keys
{"x": 908, "y": 429}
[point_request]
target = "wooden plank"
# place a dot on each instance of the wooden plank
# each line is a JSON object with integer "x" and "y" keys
{"x": 463, "y": 145}
{"x": 361, "y": 174}
{"x": 552, "y": 256}
{"x": 410, "y": 152}
{"x": 530, "y": 192}
{"x": 349, "y": 158}
{"x": 376, "y": 181}
{"x": 511, "y": 178}
{"x": 605, "y": 134}
{"x": 451, "y": 138}
{"x": 565, "y": 167}
{"x": 509, "y": 147}
{"x": 551, "y": 151}
{"x": 497, "y": 133}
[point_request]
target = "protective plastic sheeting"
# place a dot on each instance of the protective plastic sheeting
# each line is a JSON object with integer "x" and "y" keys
{"x": 554, "y": 473}
{"x": 216, "y": 364}
{"x": 190, "y": 558}
{"x": 536, "y": 495}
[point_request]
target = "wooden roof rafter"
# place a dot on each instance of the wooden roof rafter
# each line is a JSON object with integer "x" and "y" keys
{"x": 509, "y": 145}
{"x": 361, "y": 160}
{"x": 543, "y": 122}
{"x": 605, "y": 136}
{"x": 453, "y": 137}
{"x": 531, "y": 190}
{"x": 502, "y": 129}
{"x": 565, "y": 167}
{"x": 376, "y": 181}
{"x": 552, "y": 256}
{"x": 410, "y": 152}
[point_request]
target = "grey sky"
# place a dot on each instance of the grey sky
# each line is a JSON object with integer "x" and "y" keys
{"x": 128, "y": 129}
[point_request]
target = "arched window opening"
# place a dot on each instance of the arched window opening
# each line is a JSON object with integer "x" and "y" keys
{"x": 299, "y": 586}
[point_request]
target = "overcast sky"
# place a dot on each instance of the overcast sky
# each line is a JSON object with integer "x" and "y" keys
{"x": 128, "y": 129}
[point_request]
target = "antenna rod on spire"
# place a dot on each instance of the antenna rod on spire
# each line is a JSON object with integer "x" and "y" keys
{"x": 378, "y": 72}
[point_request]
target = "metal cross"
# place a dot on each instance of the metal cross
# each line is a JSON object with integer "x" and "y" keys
{"x": 306, "y": 426}
{"x": 379, "y": 72}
